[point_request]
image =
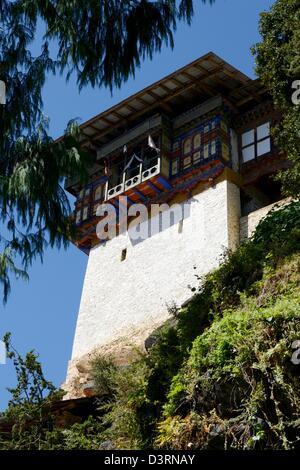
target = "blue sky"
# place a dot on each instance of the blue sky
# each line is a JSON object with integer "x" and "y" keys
{"x": 42, "y": 314}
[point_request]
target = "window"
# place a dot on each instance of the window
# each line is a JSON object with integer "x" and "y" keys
{"x": 123, "y": 254}
{"x": 206, "y": 150}
{"x": 194, "y": 149}
{"x": 197, "y": 141}
{"x": 187, "y": 147}
{"x": 78, "y": 217}
{"x": 99, "y": 192}
{"x": 84, "y": 192}
{"x": 180, "y": 226}
{"x": 174, "y": 167}
{"x": 187, "y": 161}
{"x": 196, "y": 157}
{"x": 85, "y": 213}
{"x": 256, "y": 142}
{"x": 210, "y": 149}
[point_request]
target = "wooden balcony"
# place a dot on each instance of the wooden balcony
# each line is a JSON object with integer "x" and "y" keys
{"x": 140, "y": 182}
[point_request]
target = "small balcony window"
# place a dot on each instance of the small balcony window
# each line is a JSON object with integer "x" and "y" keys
{"x": 174, "y": 167}
{"x": 197, "y": 141}
{"x": 78, "y": 217}
{"x": 187, "y": 147}
{"x": 196, "y": 157}
{"x": 213, "y": 148}
{"x": 210, "y": 149}
{"x": 85, "y": 213}
{"x": 256, "y": 142}
{"x": 99, "y": 192}
{"x": 187, "y": 161}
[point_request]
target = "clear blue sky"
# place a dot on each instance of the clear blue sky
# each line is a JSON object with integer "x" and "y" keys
{"x": 42, "y": 314}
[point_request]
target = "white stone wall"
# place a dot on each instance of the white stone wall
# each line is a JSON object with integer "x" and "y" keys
{"x": 129, "y": 299}
{"x": 249, "y": 223}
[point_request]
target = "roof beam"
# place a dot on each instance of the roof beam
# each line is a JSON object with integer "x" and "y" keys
{"x": 132, "y": 109}
{"x": 164, "y": 87}
{"x": 119, "y": 116}
{"x": 177, "y": 82}
{"x": 144, "y": 103}
{"x": 198, "y": 82}
{"x": 251, "y": 94}
{"x": 194, "y": 81}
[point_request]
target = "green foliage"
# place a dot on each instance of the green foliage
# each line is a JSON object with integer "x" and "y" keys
{"x": 80, "y": 436}
{"x": 103, "y": 370}
{"x": 28, "y": 409}
{"x": 277, "y": 236}
{"x": 29, "y": 417}
{"x": 34, "y": 209}
{"x": 31, "y": 383}
{"x": 126, "y": 413}
{"x": 279, "y": 232}
{"x": 239, "y": 371}
{"x": 277, "y": 59}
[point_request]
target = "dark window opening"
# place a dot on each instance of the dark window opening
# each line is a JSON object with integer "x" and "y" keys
{"x": 261, "y": 193}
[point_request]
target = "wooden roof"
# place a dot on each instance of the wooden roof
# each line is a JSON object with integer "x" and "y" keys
{"x": 198, "y": 81}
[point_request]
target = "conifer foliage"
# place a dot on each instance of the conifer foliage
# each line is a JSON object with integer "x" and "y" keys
{"x": 102, "y": 42}
{"x": 278, "y": 67}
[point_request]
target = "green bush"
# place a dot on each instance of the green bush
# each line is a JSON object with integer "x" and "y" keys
{"x": 239, "y": 371}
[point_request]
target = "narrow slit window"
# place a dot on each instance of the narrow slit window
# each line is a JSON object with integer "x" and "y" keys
{"x": 174, "y": 167}
{"x": 78, "y": 217}
{"x": 180, "y": 226}
{"x": 213, "y": 147}
{"x": 206, "y": 150}
{"x": 197, "y": 141}
{"x": 124, "y": 254}
{"x": 99, "y": 192}
{"x": 85, "y": 213}
{"x": 187, "y": 147}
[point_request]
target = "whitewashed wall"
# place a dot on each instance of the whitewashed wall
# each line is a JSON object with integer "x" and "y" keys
{"x": 129, "y": 299}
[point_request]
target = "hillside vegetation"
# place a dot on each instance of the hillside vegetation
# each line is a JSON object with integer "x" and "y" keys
{"x": 220, "y": 374}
